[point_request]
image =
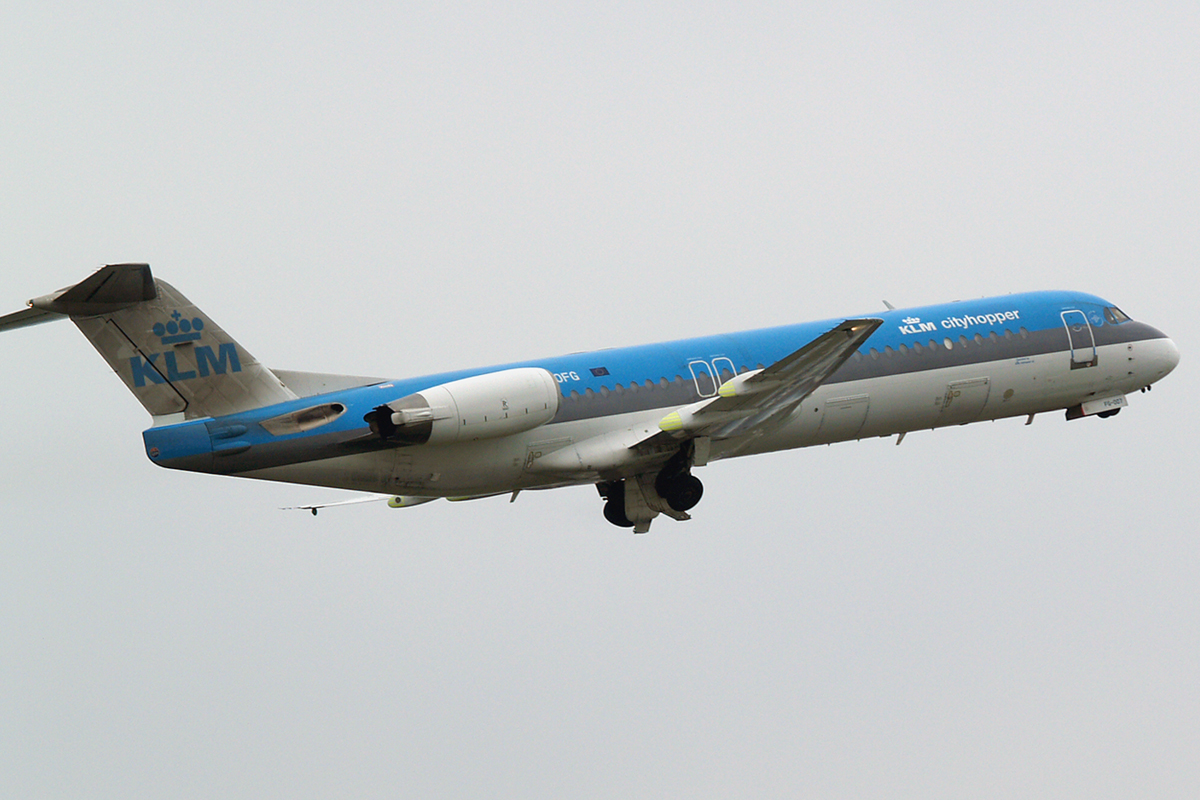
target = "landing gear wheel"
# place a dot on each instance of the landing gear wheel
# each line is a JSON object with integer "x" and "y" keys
{"x": 682, "y": 493}
{"x": 613, "y": 493}
{"x": 614, "y": 512}
{"x": 1110, "y": 413}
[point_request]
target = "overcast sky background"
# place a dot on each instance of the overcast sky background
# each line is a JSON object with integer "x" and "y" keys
{"x": 395, "y": 189}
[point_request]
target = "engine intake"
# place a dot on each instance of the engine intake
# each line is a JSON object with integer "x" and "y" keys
{"x": 480, "y": 407}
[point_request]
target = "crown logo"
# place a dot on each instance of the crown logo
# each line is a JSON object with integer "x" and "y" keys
{"x": 179, "y": 329}
{"x": 911, "y": 320}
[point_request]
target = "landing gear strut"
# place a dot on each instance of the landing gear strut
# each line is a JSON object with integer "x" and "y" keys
{"x": 673, "y": 491}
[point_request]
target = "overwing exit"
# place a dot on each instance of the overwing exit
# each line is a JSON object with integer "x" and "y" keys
{"x": 636, "y": 422}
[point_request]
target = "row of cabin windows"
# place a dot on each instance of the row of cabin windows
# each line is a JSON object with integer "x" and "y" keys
{"x": 947, "y": 343}
{"x": 888, "y": 352}
{"x": 1114, "y": 315}
{"x": 649, "y": 385}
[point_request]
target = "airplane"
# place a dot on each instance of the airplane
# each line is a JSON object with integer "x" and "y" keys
{"x": 634, "y": 421}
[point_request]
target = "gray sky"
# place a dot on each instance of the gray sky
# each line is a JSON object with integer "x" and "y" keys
{"x": 988, "y": 611}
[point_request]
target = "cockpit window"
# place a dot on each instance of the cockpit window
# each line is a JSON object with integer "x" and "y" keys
{"x": 1115, "y": 315}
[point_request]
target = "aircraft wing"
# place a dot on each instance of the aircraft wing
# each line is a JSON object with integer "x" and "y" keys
{"x": 755, "y": 401}
{"x": 393, "y": 501}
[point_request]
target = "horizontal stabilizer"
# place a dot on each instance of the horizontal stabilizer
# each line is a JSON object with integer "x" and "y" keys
{"x": 27, "y": 317}
{"x": 109, "y": 289}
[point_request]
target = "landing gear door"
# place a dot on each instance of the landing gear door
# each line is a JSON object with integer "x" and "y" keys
{"x": 843, "y": 418}
{"x": 964, "y": 401}
{"x": 1082, "y": 339}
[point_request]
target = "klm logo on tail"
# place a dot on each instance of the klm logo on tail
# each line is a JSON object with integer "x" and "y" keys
{"x": 180, "y": 330}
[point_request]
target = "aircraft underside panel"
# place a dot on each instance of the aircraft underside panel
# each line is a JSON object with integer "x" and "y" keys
{"x": 842, "y": 418}
{"x": 964, "y": 401}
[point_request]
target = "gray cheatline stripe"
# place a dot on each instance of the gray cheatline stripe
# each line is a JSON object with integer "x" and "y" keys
{"x": 681, "y": 390}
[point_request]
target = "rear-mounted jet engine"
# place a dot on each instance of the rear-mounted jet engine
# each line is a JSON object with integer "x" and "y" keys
{"x": 480, "y": 407}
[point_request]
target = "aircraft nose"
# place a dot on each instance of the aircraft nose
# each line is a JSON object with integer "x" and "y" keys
{"x": 1163, "y": 358}
{"x": 1170, "y": 355}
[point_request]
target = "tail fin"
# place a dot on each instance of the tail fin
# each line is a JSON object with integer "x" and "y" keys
{"x": 167, "y": 351}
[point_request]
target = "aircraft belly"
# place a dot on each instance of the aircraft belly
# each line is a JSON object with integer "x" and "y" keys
{"x": 433, "y": 474}
{"x": 363, "y": 472}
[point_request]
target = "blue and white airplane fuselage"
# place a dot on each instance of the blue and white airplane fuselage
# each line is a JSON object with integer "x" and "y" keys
{"x": 634, "y": 421}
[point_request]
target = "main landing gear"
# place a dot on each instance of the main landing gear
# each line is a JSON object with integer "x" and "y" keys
{"x": 681, "y": 491}
{"x": 613, "y": 493}
{"x": 634, "y": 502}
